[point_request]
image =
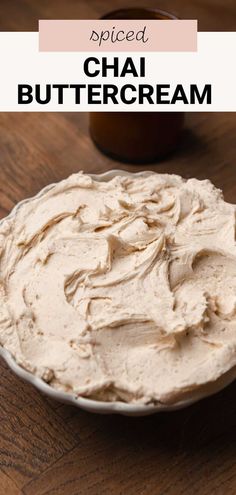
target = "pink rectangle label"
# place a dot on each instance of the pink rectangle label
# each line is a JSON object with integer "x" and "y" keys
{"x": 117, "y": 35}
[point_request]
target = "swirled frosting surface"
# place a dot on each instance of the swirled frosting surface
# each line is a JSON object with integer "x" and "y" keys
{"x": 121, "y": 290}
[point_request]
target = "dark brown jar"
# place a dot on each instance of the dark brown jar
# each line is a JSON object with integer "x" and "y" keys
{"x": 136, "y": 137}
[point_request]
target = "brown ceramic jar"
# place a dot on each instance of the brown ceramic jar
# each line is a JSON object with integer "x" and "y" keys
{"x": 137, "y": 137}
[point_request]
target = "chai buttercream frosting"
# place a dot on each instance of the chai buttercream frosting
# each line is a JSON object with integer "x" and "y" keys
{"x": 121, "y": 290}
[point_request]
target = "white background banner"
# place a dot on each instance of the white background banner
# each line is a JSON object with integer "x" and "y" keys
{"x": 213, "y": 64}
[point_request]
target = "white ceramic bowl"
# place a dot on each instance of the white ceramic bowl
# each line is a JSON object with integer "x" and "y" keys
{"x": 99, "y": 406}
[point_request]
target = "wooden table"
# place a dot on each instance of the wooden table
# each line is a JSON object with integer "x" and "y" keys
{"x": 51, "y": 449}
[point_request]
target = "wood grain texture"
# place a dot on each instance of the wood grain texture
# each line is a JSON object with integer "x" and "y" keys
{"x": 47, "y": 448}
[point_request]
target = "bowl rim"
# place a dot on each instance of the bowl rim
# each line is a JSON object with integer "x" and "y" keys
{"x": 90, "y": 404}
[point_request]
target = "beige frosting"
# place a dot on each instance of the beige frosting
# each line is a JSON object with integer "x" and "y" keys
{"x": 122, "y": 290}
